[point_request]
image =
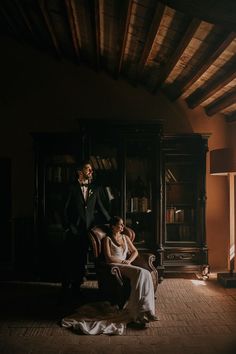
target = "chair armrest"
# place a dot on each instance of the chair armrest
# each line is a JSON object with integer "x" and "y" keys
{"x": 116, "y": 272}
{"x": 145, "y": 260}
{"x": 110, "y": 270}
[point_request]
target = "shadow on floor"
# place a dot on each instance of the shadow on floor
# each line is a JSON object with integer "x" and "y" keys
{"x": 21, "y": 300}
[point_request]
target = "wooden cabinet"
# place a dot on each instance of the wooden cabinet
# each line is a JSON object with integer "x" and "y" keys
{"x": 155, "y": 182}
{"x": 126, "y": 158}
{"x": 56, "y": 158}
{"x": 184, "y": 242}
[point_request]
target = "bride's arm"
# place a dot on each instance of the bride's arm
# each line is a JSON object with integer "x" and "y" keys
{"x": 107, "y": 253}
{"x": 133, "y": 252}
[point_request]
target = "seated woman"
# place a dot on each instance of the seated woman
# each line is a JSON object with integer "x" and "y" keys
{"x": 102, "y": 317}
{"x": 119, "y": 250}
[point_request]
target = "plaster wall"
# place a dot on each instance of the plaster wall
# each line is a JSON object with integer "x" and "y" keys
{"x": 217, "y": 204}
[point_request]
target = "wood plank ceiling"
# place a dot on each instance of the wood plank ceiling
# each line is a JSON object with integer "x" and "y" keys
{"x": 179, "y": 47}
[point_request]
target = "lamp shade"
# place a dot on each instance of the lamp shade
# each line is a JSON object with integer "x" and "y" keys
{"x": 222, "y": 161}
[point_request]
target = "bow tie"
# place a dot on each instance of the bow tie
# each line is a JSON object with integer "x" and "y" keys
{"x": 83, "y": 184}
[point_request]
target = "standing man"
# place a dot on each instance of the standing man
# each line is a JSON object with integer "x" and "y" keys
{"x": 79, "y": 213}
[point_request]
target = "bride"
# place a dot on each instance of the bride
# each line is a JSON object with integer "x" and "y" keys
{"x": 120, "y": 250}
{"x": 102, "y": 318}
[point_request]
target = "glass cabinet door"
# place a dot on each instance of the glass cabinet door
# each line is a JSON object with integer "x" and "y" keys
{"x": 181, "y": 201}
{"x": 138, "y": 187}
{"x": 104, "y": 157}
{"x": 58, "y": 174}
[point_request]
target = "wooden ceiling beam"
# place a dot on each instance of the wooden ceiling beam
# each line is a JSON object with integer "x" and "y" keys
{"x": 74, "y": 28}
{"x": 213, "y": 11}
{"x": 154, "y": 27}
{"x": 125, "y": 15}
{"x": 9, "y": 22}
{"x": 173, "y": 59}
{"x": 200, "y": 94}
{"x": 46, "y": 18}
{"x": 230, "y": 118}
{"x": 97, "y": 31}
{"x": 211, "y": 55}
{"x": 218, "y": 105}
{"x": 24, "y": 16}
{"x": 95, "y": 24}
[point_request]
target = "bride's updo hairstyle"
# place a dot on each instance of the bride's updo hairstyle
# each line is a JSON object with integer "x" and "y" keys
{"x": 114, "y": 220}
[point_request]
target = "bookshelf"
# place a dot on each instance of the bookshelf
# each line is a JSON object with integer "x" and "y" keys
{"x": 155, "y": 183}
{"x": 126, "y": 160}
{"x": 138, "y": 185}
{"x": 181, "y": 186}
{"x": 185, "y": 246}
{"x": 56, "y": 158}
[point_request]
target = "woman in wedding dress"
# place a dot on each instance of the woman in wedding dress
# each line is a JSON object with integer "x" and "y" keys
{"x": 120, "y": 250}
{"x": 102, "y": 318}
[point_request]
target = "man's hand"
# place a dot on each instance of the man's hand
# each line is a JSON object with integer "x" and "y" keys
{"x": 73, "y": 230}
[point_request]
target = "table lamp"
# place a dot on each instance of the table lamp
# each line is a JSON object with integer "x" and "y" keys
{"x": 223, "y": 163}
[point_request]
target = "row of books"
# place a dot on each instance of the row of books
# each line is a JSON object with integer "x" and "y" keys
{"x": 136, "y": 204}
{"x": 174, "y": 215}
{"x": 61, "y": 159}
{"x": 177, "y": 215}
{"x": 60, "y": 174}
{"x": 184, "y": 233}
{"x": 66, "y": 173}
{"x": 103, "y": 163}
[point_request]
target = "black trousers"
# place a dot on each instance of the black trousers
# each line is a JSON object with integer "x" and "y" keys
{"x": 74, "y": 258}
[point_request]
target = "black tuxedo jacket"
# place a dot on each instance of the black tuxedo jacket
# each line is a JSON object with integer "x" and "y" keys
{"x": 78, "y": 213}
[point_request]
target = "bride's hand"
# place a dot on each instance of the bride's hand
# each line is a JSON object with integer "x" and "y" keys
{"x": 125, "y": 261}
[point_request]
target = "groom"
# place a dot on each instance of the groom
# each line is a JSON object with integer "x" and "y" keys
{"x": 79, "y": 213}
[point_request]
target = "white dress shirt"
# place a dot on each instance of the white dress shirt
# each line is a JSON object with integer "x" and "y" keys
{"x": 84, "y": 189}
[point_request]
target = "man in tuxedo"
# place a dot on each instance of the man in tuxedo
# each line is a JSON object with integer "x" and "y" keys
{"x": 79, "y": 214}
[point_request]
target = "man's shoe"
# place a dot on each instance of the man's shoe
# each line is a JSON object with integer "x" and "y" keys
{"x": 137, "y": 325}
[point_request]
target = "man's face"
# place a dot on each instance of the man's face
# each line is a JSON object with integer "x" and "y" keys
{"x": 87, "y": 171}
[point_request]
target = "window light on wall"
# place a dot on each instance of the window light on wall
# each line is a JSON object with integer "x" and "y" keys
{"x": 223, "y": 163}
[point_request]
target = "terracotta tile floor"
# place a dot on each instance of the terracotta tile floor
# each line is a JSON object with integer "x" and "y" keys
{"x": 196, "y": 316}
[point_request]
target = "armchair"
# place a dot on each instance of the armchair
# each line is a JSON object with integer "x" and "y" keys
{"x": 112, "y": 285}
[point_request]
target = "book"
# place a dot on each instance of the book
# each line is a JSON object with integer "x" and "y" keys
{"x": 105, "y": 164}
{"x": 134, "y": 204}
{"x": 94, "y": 162}
{"x": 109, "y": 163}
{"x": 114, "y": 163}
{"x": 172, "y": 177}
{"x": 143, "y": 204}
{"x": 170, "y": 215}
{"x": 99, "y": 162}
{"x": 179, "y": 215}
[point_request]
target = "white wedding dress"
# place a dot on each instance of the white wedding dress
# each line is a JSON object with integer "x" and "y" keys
{"x": 102, "y": 318}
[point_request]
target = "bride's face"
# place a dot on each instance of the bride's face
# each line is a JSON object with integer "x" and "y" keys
{"x": 119, "y": 227}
